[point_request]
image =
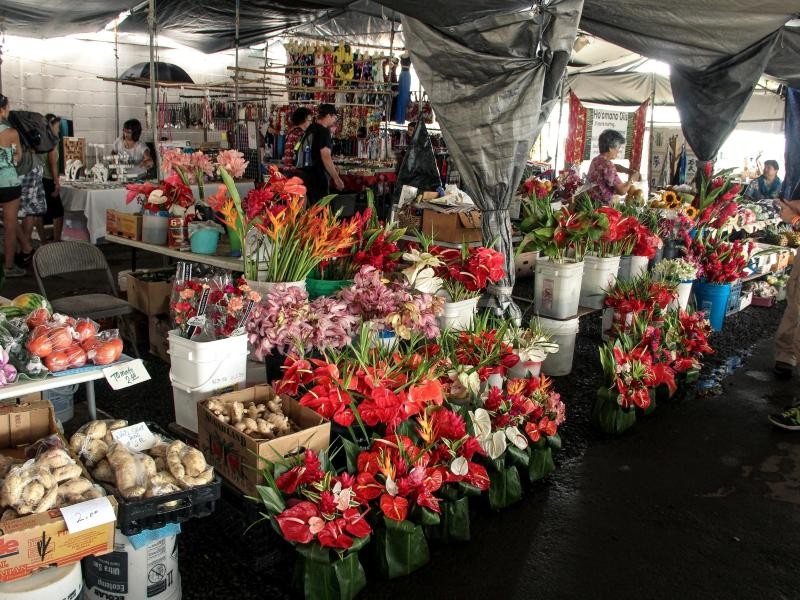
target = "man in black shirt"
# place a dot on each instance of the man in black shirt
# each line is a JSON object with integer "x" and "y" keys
{"x": 314, "y": 155}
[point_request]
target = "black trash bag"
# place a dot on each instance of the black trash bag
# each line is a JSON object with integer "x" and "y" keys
{"x": 419, "y": 167}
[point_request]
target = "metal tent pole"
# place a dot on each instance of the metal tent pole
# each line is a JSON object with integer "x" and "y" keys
{"x": 652, "y": 120}
{"x": 558, "y": 129}
{"x": 151, "y": 21}
{"x": 116, "y": 74}
{"x": 236, "y": 81}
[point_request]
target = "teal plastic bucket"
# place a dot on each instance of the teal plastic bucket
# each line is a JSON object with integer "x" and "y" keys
{"x": 204, "y": 241}
{"x": 325, "y": 287}
{"x": 712, "y": 299}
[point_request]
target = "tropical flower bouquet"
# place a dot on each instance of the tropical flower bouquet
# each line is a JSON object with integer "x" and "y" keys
{"x": 628, "y": 379}
{"x": 531, "y": 345}
{"x": 638, "y": 296}
{"x": 675, "y": 270}
{"x": 322, "y": 515}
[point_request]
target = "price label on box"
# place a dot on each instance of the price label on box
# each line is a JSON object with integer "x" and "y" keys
{"x": 85, "y": 515}
{"x": 136, "y": 437}
{"x": 126, "y": 374}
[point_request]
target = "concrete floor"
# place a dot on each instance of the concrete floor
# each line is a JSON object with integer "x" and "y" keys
{"x": 701, "y": 500}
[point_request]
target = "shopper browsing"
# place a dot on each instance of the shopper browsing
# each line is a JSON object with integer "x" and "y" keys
{"x": 301, "y": 119}
{"x": 130, "y": 148}
{"x": 52, "y": 185}
{"x": 10, "y": 190}
{"x": 767, "y": 187}
{"x": 314, "y": 155}
{"x": 603, "y": 173}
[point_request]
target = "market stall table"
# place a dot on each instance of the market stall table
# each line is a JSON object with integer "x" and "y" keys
{"x": 87, "y": 377}
{"x": 94, "y": 199}
{"x": 223, "y": 262}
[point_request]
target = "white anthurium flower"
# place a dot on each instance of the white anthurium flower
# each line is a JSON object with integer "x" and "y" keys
{"x": 423, "y": 259}
{"x": 495, "y": 445}
{"x": 426, "y": 281}
{"x": 459, "y": 466}
{"x": 464, "y": 383}
{"x": 515, "y": 436}
{"x": 157, "y": 197}
{"x": 343, "y": 499}
{"x": 481, "y": 423}
{"x": 391, "y": 486}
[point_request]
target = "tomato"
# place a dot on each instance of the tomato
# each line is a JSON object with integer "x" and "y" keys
{"x": 38, "y": 316}
{"x": 76, "y": 356}
{"x": 85, "y": 329}
{"x": 61, "y": 338}
{"x": 89, "y": 343}
{"x": 107, "y": 352}
{"x": 39, "y": 342}
{"x": 56, "y": 361}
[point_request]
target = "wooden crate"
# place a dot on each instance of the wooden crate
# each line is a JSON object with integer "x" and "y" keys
{"x": 124, "y": 224}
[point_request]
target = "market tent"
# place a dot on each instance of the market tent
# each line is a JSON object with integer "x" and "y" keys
{"x": 52, "y": 19}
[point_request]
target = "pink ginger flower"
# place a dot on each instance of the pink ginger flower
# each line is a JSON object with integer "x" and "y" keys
{"x": 233, "y": 162}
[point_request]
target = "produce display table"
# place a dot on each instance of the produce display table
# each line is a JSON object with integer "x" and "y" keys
{"x": 94, "y": 199}
{"x": 23, "y": 388}
{"x": 223, "y": 262}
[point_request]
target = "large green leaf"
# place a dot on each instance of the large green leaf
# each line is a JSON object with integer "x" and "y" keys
{"x": 505, "y": 488}
{"x": 520, "y": 458}
{"x": 541, "y": 463}
{"x": 272, "y": 499}
{"x": 350, "y": 576}
{"x": 554, "y": 441}
{"x": 609, "y": 416}
{"x": 401, "y": 548}
{"x": 319, "y": 580}
{"x": 351, "y": 452}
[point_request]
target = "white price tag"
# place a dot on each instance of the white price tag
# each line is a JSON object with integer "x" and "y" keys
{"x": 197, "y": 321}
{"x": 136, "y": 437}
{"x": 86, "y": 515}
{"x": 126, "y": 374}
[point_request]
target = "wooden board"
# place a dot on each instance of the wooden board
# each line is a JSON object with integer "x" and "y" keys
{"x": 75, "y": 149}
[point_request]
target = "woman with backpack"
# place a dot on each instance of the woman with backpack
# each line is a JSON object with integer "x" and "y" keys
{"x": 10, "y": 190}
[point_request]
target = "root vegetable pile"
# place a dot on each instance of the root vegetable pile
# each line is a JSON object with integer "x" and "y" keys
{"x": 264, "y": 421}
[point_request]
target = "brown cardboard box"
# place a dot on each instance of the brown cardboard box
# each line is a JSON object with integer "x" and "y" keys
{"x": 149, "y": 297}
{"x": 452, "y": 227}
{"x": 237, "y": 457}
{"x": 34, "y": 542}
{"x": 124, "y": 224}
{"x": 158, "y": 335}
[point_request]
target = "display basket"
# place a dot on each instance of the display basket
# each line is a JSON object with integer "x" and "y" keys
{"x": 134, "y": 516}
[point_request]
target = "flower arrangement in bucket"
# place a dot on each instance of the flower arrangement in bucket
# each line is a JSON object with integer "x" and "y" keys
{"x": 191, "y": 168}
{"x": 531, "y": 345}
{"x": 681, "y": 273}
{"x": 296, "y": 239}
{"x": 638, "y": 296}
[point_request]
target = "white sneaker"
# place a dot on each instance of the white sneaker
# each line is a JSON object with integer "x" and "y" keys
{"x": 14, "y": 271}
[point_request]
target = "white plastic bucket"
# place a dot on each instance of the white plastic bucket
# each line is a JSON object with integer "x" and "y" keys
{"x": 598, "y": 275}
{"x": 524, "y": 370}
{"x": 129, "y": 574}
{"x": 684, "y": 292}
{"x": 608, "y": 322}
{"x": 556, "y": 288}
{"x": 563, "y": 334}
{"x": 459, "y": 315}
{"x": 199, "y": 370}
{"x": 63, "y": 400}
{"x": 122, "y": 280}
{"x": 55, "y": 583}
{"x": 631, "y": 267}
{"x": 154, "y": 229}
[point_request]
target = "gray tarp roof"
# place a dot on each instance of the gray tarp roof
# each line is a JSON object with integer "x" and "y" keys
{"x": 35, "y": 18}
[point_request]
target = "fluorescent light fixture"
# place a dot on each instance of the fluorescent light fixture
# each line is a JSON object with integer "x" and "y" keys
{"x": 114, "y": 23}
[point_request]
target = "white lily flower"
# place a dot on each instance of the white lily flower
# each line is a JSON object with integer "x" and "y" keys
{"x": 459, "y": 466}
{"x": 515, "y": 437}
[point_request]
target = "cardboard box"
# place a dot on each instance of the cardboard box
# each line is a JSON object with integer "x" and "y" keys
{"x": 452, "y": 227}
{"x": 150, "y": 297}
{"x": 34, "y": 542}
{"x": 158, "y": 336}
{"x": 238, "y": 457}
{"x": 123, "y": 224}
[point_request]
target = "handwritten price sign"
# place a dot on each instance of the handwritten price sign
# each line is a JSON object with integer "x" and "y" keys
{"x": 85, "y": 515}
{"x": 136, "y": 437}
{"x": 126, "y": 374}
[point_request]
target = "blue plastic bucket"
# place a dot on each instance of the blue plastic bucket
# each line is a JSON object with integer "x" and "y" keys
{"x": 204, "y": 241}
{"x": 712, "y": 299}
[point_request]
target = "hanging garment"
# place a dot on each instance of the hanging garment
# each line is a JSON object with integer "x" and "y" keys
{"x": 403, "y": 90}
{"x": 344, "y": 64}
{"x": 328, "y": 73}
{"x": 319, "y": 73}
{"x": 391, "y": 65}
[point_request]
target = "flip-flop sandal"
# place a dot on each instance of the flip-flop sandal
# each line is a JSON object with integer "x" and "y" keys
{"x": 788, "y": 419}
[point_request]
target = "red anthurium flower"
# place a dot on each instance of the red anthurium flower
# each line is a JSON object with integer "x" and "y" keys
{"x": 333, "y": 535}
{"x": 394, "y": 507}
{"x": 356, "y": 523}
{"x": 294, "y": 522}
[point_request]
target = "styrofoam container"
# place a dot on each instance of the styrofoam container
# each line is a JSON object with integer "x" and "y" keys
{"x": 599, "y": 274}
{"x": 458, "y": 315}
{"x": 199, "y": 370}
{"x": 564, "y": 334}
{"x": 556, "y": 288}
{"x": 63, "y": 400}
{"x": 55, "y": 583}
{"x": 150, "y": 572}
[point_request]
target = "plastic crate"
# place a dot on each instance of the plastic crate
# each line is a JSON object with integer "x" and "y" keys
{"x": 134, "y": 516}
{"x": 734, "y": 301}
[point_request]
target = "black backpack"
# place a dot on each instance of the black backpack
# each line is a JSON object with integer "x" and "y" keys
{"x": 33, "y": 129}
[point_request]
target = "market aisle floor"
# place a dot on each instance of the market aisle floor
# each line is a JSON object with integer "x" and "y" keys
{"x": 700, "y": 501}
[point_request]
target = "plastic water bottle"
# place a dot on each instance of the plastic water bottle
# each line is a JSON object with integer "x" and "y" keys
{"x": 307, "y": 156}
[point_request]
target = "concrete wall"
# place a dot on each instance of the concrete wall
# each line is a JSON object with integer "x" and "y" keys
{"x": 61, "y": 76}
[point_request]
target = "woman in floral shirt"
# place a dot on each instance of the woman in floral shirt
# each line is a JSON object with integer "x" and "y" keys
{"x": 603, "y": 172}
{"x": 301, "y": 119}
